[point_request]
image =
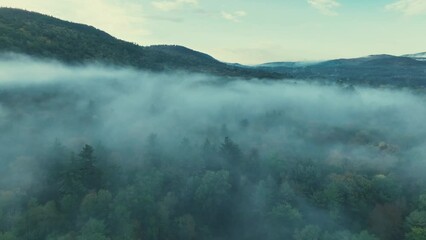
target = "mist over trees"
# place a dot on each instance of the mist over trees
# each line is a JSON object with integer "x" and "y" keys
{"x": 97, "y": 152}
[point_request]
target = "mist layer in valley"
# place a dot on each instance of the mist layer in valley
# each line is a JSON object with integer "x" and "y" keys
{"x": 126, "y": 154}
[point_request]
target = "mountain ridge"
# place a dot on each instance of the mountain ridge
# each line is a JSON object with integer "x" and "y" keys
{"x": 43, "y": 36}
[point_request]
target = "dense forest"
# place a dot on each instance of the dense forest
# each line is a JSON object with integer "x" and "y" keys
{"x": 106, "y": 153}
{"x": 207, "y": 192}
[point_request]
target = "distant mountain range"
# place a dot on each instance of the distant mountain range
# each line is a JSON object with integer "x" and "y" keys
{"x": 417, "y": 56}
{"x": 407, "y": 70}
{"x": 43, "y": 36}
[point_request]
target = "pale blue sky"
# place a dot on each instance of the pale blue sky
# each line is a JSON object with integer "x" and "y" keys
{"x": 253, "y": 31}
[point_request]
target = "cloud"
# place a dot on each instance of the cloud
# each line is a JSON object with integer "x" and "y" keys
{"x": 165, "y": 18}
{"x": 326, "y": 7}
{"x": 173, "y": 5}
{"x": 234, "y": 16}
{"x": 408, "y": 7}
{"x": 122, "y": 19}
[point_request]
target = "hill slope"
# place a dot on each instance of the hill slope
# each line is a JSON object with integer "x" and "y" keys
{"x": 47, "y": 37}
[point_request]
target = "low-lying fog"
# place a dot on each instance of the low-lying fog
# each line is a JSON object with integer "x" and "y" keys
{"x": 43, "y": 101}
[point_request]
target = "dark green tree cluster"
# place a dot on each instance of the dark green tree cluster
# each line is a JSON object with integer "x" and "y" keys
{"x": 209, "y": 191}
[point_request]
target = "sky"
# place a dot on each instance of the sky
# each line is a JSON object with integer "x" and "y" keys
{"x": 254, "y": 31}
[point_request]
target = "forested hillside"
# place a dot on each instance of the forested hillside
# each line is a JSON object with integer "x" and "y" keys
{"x": 43, "y": 36}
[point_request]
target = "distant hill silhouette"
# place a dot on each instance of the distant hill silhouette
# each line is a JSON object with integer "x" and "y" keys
{"x": 43, "y": 36}
{"x": 372, "y": 70}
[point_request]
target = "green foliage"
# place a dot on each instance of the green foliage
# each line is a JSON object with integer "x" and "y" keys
{"x": 284, "y": 212}
{"x": 93, "y": 230}
{"x": 416, "y": 219}
{"x": 7, "y": 236}
{"x": 416, "y": 233}
{"x": 345, "y": 235}
{"x": 364, "y": 235}
{"x": 88, "y": 173}
{"x": 186, "y": 227}
{"x": 96, "y": 205}
{"x": 386, "y": 188}
{"x": 230, "y": 151}
{"x": 39, "y": 221}
{"x": 350, "y": 190}
{"x": 288, "y": 199}
{"x": 422, "y": 202}
{"x": 213, "y": 190}
{"x": 309, "y": 232}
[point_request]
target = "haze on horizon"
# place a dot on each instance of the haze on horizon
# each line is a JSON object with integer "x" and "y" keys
{"x": 252, "y": 32}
